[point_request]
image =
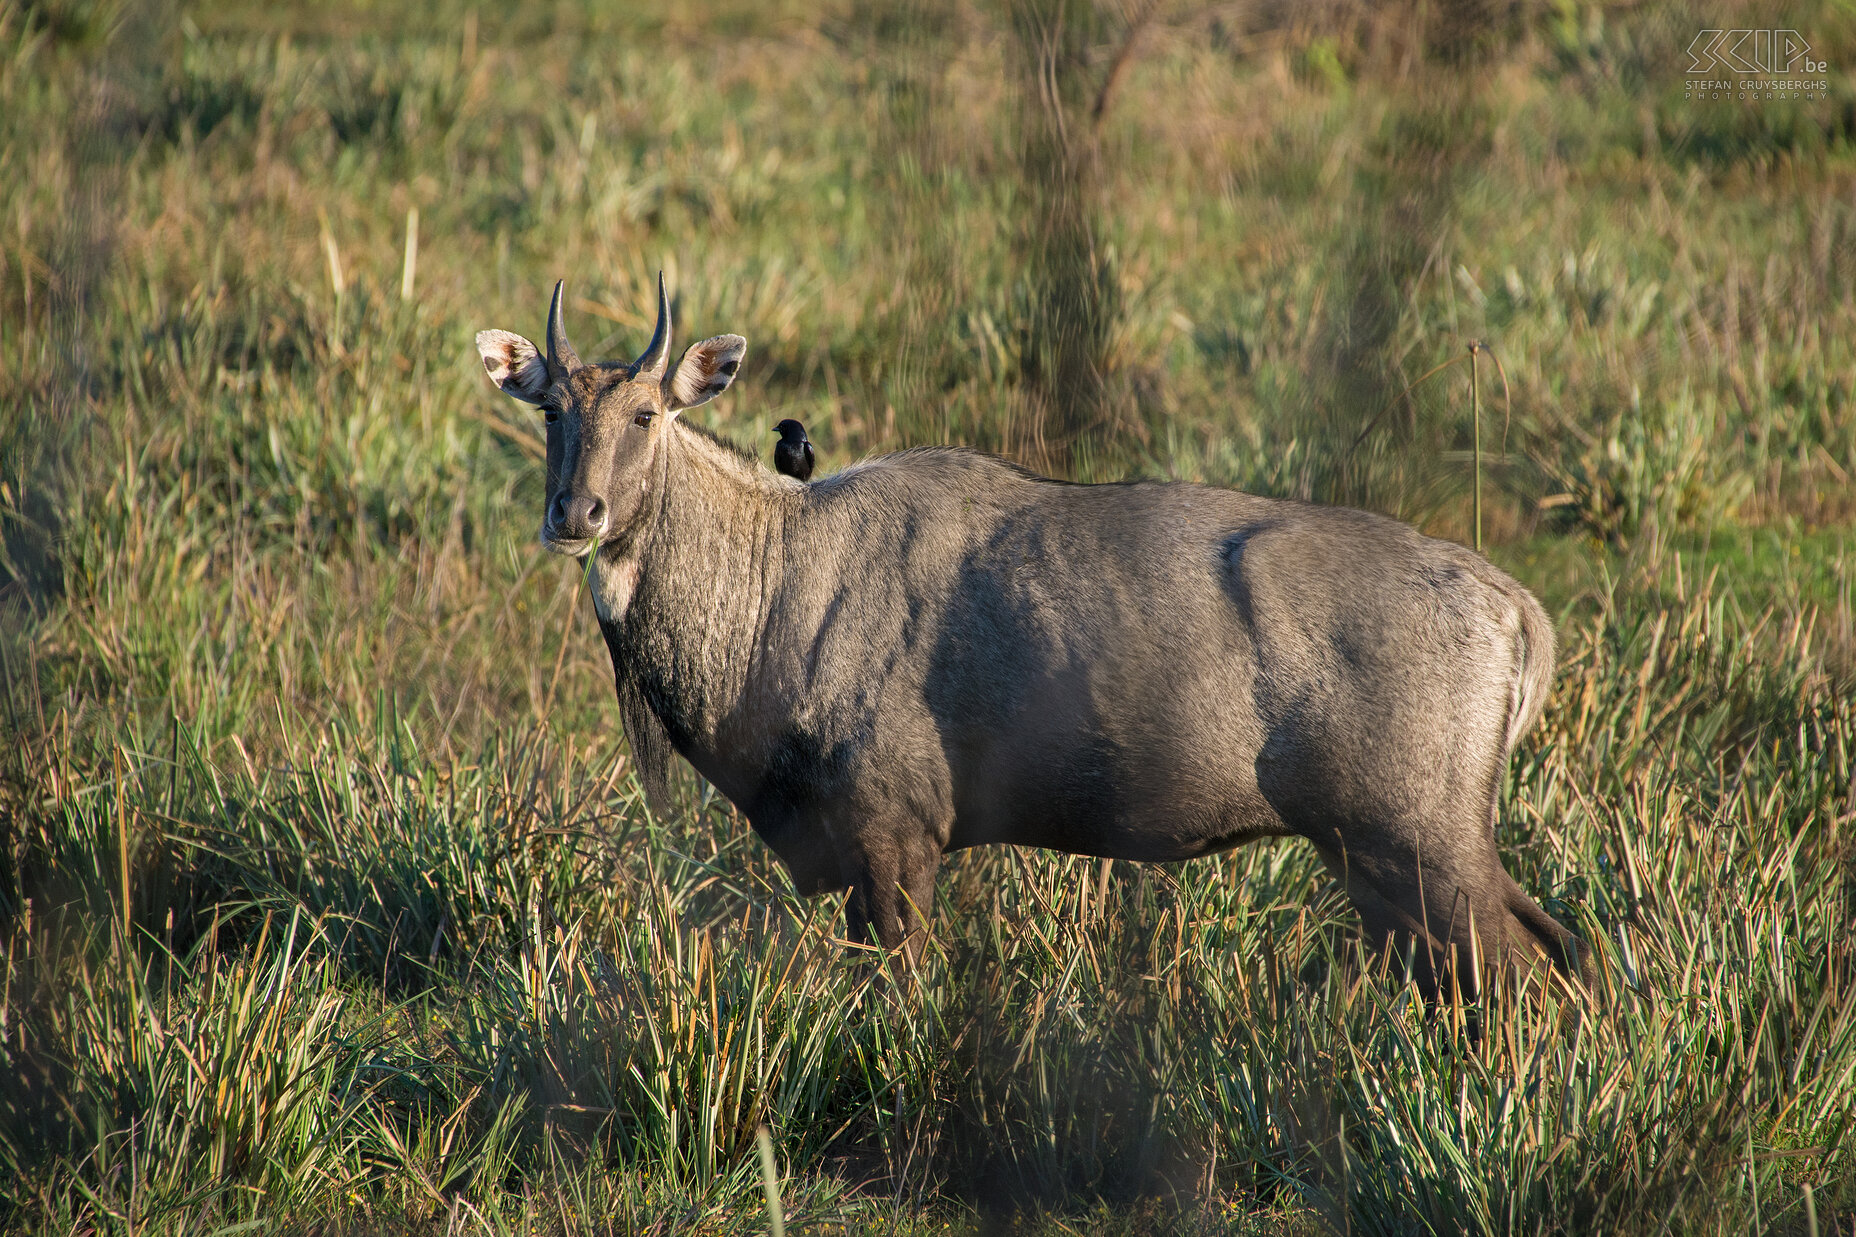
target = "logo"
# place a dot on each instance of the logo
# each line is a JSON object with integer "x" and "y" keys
{"x": 1754, "y": 65}
{"x": 1751, "y": 51}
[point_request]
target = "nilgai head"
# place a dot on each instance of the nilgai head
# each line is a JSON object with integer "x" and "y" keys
{"x": 606, "y": 420}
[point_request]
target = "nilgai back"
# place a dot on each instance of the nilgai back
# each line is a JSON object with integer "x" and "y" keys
{"x": 936, "y": 649}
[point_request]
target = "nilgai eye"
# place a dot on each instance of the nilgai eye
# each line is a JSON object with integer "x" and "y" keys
{"x": 550, "y": 415}
{"x": 642, "y": 420}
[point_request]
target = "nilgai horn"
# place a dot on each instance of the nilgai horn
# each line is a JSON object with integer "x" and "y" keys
{"x": 935, "y": 649}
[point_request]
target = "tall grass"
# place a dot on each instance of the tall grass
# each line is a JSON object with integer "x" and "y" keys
{"x": 328, "y": 899}
{"x": 507, "y": 987}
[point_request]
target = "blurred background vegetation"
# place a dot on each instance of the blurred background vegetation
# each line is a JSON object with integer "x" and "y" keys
{"x": 327, "y": 898}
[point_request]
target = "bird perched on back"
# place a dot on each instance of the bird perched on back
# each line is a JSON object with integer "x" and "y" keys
{"x": 792, "y": 455}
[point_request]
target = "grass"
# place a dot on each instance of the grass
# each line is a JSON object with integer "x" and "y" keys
{"x": 328, "y": 900}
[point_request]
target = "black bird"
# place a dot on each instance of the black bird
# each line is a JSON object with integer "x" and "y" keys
{"x": 792, "y": 455}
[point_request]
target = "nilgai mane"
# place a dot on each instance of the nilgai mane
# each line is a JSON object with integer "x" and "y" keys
{"x": 936, "y": 649}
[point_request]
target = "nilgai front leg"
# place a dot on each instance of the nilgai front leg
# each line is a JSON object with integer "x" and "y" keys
{"x": 890, "y": 871}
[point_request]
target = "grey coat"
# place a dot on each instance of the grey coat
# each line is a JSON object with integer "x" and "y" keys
{"x": 936, "y": 649}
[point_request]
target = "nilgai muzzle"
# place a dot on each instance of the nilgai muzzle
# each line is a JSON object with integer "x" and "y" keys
{"x": 936, "y": 649}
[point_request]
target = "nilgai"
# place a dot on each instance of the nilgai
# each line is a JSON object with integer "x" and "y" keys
{"x": 936, "y": 649}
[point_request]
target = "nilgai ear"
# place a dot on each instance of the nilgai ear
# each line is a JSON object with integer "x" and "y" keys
{"x": 704, "y": 372}
{"x": 514, "y": 364}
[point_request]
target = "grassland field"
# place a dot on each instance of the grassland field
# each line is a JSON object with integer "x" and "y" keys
{"x": 328, "y": 900}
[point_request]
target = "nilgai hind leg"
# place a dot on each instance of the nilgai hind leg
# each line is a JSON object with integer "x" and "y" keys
{"x": 1453, "y": 909}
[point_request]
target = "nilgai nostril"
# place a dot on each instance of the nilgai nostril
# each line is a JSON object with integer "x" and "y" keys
{"x": 577, "y": 517}
{"x": 582, "y": 516}
{"x": 936, "y": 649}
